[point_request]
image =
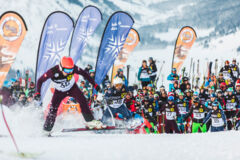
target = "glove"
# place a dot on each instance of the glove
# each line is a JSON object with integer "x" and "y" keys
{"x": 98, "y": 88}
{"x": 37, "y": 96}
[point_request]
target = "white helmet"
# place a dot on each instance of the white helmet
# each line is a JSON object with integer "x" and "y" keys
{"x": 100, "y": 97}
{"x": 117, "y": 80}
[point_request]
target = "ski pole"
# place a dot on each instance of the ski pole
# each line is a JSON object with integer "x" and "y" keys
{"x": 12, "y": 137}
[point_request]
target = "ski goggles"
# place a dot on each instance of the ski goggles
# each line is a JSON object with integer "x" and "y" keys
{"x": 66, "y": 70}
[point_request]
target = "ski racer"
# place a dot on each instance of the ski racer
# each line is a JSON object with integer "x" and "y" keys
{"x": 198, "y": 111}
{"x": 172, "y": 78}
{"x": 171, "y": 112}
{"x": 231, "y": 107}
{"x": 218, "y": 118}
{"x": 153, "y": 68}
{"x": 227, "y": 72}
{"x": 120, "y": 75}
{"x": 235, "y": 69}
{"x": 65, "y": 85}
{"x": 144, "y": 74}
{"x": 115, "y": 102}
{"x": 183, "y": 107}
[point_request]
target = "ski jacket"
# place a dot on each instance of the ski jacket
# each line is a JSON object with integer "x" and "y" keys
{"x": 231, "y": 102}
{"x": 143, "y": 74}
{"x": 183, "y": 106}
{"x": 235, "y": 70}
{"x": 153, "y": 68}
{"x": 227, "y": 72}
{"x": 114, "y": 97}
{"x": 62, "y": 83}
{"x": 218, "y": 118}
{"x": 198, "y": 113}
{"x": 171, "y": 111}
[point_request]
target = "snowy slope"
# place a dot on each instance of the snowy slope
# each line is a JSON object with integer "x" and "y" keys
{"x": 26, "y": 127}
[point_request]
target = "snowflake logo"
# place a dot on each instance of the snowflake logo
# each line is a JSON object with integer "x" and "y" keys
{"x": 115, "y": 44}
{"x": 85, "y": 34}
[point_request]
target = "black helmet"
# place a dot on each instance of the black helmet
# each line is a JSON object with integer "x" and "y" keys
{"x": 196, "y": 100}
{"x": 185, "y": 79}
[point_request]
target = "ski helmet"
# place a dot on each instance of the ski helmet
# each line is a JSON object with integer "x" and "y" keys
{"x": 117, "y": 80}
{"x": 185, "y": 79}
{"x": 213, "y": 95}
{"x": 174, "y": 69}
{"x": 196, "y": 93}
{"x": 91, "y": 71}
{"x": 237, "y": 83}
{"x": 226, "y": 62}
{"x": 180, "y": 94}
{"x": 230, "y": 89}
{"x": 170, "y": 98}
{"x": 67, "y": 64}
{"x": 196, "y": 100}
{"x": 215, "y": 103}
{"x": 120, "y": 70}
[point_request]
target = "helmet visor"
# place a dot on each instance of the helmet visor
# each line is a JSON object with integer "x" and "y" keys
{"x": 67, "y": 70}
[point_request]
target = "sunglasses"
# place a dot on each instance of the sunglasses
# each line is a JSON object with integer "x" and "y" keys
{"x": 66, "y": 70}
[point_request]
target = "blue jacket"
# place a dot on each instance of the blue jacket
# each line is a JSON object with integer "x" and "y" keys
{"x": 210, "y": 113}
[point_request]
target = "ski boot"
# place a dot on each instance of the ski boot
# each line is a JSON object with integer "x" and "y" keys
{"x": 94, "y": 124}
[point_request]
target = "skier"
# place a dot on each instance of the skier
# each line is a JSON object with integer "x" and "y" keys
{"x": 65, "y": 85}
{"x": 172, "y": 78}
{"x": 171, "y": 112}
{"x": 231, "y": 107}
{"x": 235, "y": 69}
{"x": 218, "y": 118}
{"x": 115, "y": 102}
{"x": 120, "y": 75}
{"x": 183, "y": 107}
{"x": 153, "y": 68}
{"x": 227, "y": 72}
{"x": 198, "y": 111}
{"x": 144, "y": 74}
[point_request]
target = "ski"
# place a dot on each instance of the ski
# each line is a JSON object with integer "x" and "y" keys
{"x": 94, "y": 129}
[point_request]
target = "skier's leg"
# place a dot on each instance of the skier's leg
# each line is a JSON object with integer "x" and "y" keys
{"x": 204, "y": 128}
{"x": 79, "y": 97}
{"x": 52, "y": 114}
{"x": 108, "y": 116}
{"x": 124, "y": 111}
{"x": 195, "y": 127}
{"x": 167, "y": 127}
{"x": 175, "y": 127}
{"x": 229, "y": 123}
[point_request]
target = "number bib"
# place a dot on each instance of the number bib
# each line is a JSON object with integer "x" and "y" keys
{"x": 217, "y": 122}
{"x": 235, "y": 73}
{"x": 170, "y": 115}
{"x": 230, "y": 106}
{"x": 64, "y": 85}
{"x": 226, "y": 75}
{"x": 198, "y": 115}
{"x": 182, "y": 110}
{"x": 117, "y": 103}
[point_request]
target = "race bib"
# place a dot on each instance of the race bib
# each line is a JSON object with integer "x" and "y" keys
{"x": 170, "y": 115}
{"x": 198, "y": 115}
{"x": 217, "y": 122}
{"x": 64, "y": 85}
{"x": 182, "y": 110}
{"x": 230, "y": 106}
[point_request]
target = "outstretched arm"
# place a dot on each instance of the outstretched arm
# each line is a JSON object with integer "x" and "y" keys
{"x": 43, "y": 78}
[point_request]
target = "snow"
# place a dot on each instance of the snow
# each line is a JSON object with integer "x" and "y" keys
{"x": 26, "y": 128}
